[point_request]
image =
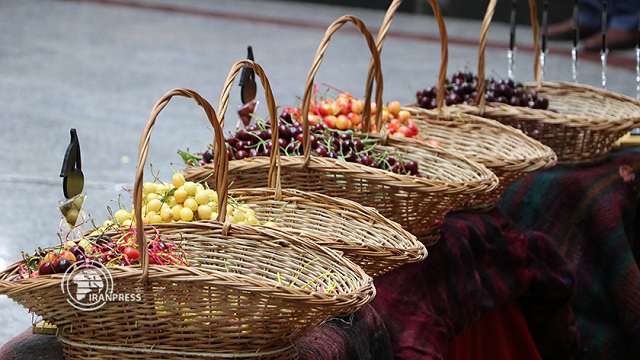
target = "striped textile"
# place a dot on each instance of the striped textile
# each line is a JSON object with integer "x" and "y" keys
{"x": 482, "y": 262}
{"x": 591, "y": 214}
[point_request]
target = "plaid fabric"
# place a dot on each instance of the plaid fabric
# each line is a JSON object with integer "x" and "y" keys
{"x": 481, "y": 262}
{"x": 360, "y": 336}
{"x": 590, "y": 213}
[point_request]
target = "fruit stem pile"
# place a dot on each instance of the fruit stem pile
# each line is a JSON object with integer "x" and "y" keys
{"x": 255, "y": 140}
{"x": 121, "y": 249}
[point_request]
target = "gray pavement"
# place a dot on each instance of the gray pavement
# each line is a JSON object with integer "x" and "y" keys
{"x": 99, "y": 66}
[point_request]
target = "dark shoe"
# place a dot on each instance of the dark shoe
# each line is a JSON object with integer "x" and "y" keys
{"x": 616, "y": 39}
{"x": 564, "y": 31}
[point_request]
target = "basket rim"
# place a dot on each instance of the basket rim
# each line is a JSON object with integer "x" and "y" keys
{"x": 414, "y": 184}
{"x": 546, "y": 157}
{"x": 417, "y": 248}
{"x": 200, "y": 274}
{"x": 595, "y": 90}
{"x": 158, "y": 275}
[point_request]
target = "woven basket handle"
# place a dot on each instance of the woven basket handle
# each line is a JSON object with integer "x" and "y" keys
{"x": 274, "y": 168}
{"x": 484, "y": 32}
{"x": 382, "y": 34}
{"x": 306, "y": 99}
{"x": 220, "y": 163}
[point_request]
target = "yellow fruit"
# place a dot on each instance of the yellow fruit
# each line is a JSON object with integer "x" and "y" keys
{"x": 403, "y": 115}
{"x": 77, "y": 203}
{"x": 171, "y": 200}
{"x": 167, "y": 214}
{"x": 176, "y": 211}
{"x": 162, "y": 188}
{"x": 202, "y": 197}
{"x": 84, "y": 243}
{"x": 180, "y": 195}
{"x": 72, "y": 216}
{"x": 149, "y": 187}
{"x": 122, "y": 215}
{"x": 394, "y": 107}
{"x": 154, "y": 205}
{"x": 191, "y": 204}
{"x": 178, "y": 180}
{"x": 186, "y": 214}
{"x": 191, "y": 188}
{"x": 204, "y": 212}
{"x": 238, "y": 215}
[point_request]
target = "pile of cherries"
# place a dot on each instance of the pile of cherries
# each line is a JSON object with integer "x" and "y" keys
{"x": 255, "y": 140}
{"x": 461, "y": 88}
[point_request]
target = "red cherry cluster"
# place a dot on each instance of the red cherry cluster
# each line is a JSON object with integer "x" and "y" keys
{"x": 58, "y": 262}
{"x": 461, "y": 88}
{"x": 255, "y": 140}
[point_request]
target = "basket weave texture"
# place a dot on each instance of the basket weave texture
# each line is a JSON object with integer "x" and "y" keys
{"x": 418, "y": 204}
{"x": 504, "y": 150}
{"x": 365, "y": 237}
{"x": 582, "y": 121}
{"x": 250, "y": 293}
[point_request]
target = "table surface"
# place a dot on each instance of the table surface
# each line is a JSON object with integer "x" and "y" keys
{"x": 559, "y": 244}
{"x": 481, "y": 262}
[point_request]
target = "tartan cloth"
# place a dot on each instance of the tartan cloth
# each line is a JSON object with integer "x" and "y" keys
{"x": 591, "y": 215}
{"x": 360, "y": 336}
{"x": 481, "y": 262}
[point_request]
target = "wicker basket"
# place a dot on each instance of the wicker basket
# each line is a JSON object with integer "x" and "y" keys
{"x": 582, "y": 121}
{"x": 418, "y": 204}
{"x": 375, "y": 243}
{"x": 253, "y": 290}
{"x": 504, "y": 150}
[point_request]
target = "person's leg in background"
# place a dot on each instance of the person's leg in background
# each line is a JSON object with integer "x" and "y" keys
{"x": 590, "y": 18}
{"x": 622, "y": 23}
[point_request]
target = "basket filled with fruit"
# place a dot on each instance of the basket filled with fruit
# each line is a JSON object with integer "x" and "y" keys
{"x": 365, "y": 237}
{"x": 186, "y": 289}
{"x": 407, "y": 181}
{"x": 361, "y": 233}
{"x": 502, "y": 149}
{"x": 578, "y": 122}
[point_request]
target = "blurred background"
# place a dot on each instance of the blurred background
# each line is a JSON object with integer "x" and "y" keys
{"x": 100, "y": 65}
{"x": 558, "y": 10}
